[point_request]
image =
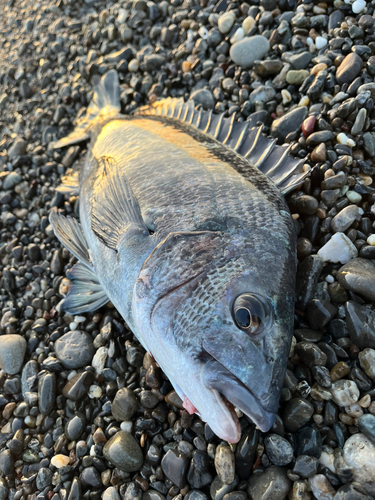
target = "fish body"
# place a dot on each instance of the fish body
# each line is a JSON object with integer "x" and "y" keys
{"x": 195, "y": 247}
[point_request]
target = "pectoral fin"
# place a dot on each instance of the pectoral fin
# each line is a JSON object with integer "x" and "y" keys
{"x": 69, "y": 232}
{"x": 85, "y": 292}
{"x": 115, "y": 211}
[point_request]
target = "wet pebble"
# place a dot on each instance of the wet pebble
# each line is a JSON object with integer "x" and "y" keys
{"x": 297, "y": 413}
{"x": 358, "y": 275}
{"x": 344, "y": 392}
{"x": 175, "y": 466}
{"x": 124, "y": 452}
{"x": 75, "y": 349}
{"x": 225, "y": 464}
{"x": 273, "y": 483}
{"x": 278, "y": 449}
{"x": 12, "y": 353}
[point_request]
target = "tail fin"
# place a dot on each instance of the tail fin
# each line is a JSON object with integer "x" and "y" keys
{"x": 105, "y": 103}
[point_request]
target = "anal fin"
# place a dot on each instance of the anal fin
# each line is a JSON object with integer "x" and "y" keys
{"x": 85, "y": 292}
{"x": 115, "y": 211}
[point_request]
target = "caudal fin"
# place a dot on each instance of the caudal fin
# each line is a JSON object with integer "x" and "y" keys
{"x": 105, "y": 103}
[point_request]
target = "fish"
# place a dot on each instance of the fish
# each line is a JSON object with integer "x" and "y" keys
{"x": 184, "y": 228}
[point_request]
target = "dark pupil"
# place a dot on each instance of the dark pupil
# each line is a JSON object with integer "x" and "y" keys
{"x": 243, "y": 318}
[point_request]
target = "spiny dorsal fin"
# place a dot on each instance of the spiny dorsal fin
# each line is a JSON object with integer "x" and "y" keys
{"x": 115, "y": 210}
{"x": 85, "y": 292}
{"x": 274, "y": 161}
{"x": 69, "y": 184}
{"x": 69, "y": 232}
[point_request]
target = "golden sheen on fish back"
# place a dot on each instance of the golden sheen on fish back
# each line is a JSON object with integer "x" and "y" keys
{"x": 184, "y": 228}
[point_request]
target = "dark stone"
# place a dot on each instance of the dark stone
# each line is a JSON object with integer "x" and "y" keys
{"x": 278, "y": 449}
{"x": 90, "y": 477}
{"x": 320, "y": 313}
{"x": 175, "y": 466}
{"x": 308, "y": 274}
{"x": 218, "y": 489}
{"x": 75, "y": 426}
{"x": 317, "y": 138}
{"x": 360, "y": 321}
{"x": 310, "y": 354}
{"x": 272, "y": 484}
{"x": 77, "y": 387}
{"x": 124, "y": 405}
{"x": 47, "y": 393}
{"x": 288, "y": 123}
{"x": 306, "y": 466}
{"x": 199, "y": 474}
{"x": 6, "y": 463}
{"x": 309, "y": 442}
{"x": 349, "y": 69}
{"x": 124, "y": 452}
{"x": 366, "y": 425}
{"x": 245, "y": 451}
{"x": 358, "y": 275}
{"x": 297, "y": 413}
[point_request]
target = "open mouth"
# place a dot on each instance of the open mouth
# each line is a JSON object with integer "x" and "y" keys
{"x": 231, "y": 390}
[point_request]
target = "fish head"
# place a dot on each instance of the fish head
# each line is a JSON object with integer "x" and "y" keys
{"x": 226, "y": 328}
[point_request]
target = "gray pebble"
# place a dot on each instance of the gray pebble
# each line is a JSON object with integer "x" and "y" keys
{"x": 278, "y": 449}
{"x": 47, "y": 393}
{"x": 12, "y": 353}
{"x": 203, "y": 97}
{"x": 124, "y": 405}
{"x": 344, "y": 219}
{"x": 272, "y": 484}
{"x": 75, "y": 349}
{"x": 358, "y": 275}
{"x": 124, "y": 452}
{"x": 247, "y": 51}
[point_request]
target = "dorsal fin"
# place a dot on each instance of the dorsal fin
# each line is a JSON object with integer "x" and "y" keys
{"x": 274, "y": 161}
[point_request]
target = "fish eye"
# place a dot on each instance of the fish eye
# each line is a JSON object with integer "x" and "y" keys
{"x": 251, "y": 313}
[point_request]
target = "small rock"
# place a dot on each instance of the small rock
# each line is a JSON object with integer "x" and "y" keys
{"x": 360, "y": 321}
{"x": 224, "y": 464}
{"x": 18, "y": 148}
{"x": 358, "y": 275}
{"x": 288, "y": 123}
{"x": 272, "y": 484}
{"x": 367, "y": 361}
{"x": 321, "y": 487}
{"x": 297, "y": 413}
{"x": 203, "y": 97}
{"x": 124, "y": 452}
{"x": 248, "y": 50}
{"x": 359, "y": 455}
{"x": 339, "y": 248}
{"x": 75, "y": 349}
{"x": 46, "y": 393}
{"x": 59, "y": 461}
{"x": 278, "y": 449}
{"x": 225, "y": 22}
{"x": 12, "y": 353}
{"x": 344, "y": 392}
{"x": 366, "y": 425}
{"x": 349, "y": 69}
{"x": 124, "y": 405}
{"x": 175, "y": 466}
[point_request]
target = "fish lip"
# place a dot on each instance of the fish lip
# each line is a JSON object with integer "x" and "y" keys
{"x": 230, "y": 388}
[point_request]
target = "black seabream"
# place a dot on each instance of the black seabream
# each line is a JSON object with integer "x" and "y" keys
{"x": 184, "y": 228}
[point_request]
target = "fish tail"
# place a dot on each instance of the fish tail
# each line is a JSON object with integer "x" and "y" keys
{"x": 105, "y": 104}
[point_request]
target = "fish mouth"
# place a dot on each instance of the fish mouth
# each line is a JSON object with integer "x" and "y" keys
{"x": 231, "y": 390}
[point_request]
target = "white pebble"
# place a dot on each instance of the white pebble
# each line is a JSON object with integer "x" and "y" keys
{"x": 358, "y": 6}
{"x": 353, "y": 196}
{"x": 133, "y": 65}
{"x": 320, "y": 42}
{"x": 371, "y": 240}
{"x": 226, "y": 22}
{"x": 238, "y": 36}
{"x": 359, "y": 454}
{"x": 73, "y": 325}
{"x": 338, "y": 249}
{"x": 99, "y": 359}
{"x": 309, "y": 41}
{"x": 95, "y": 392}
{"x": 79, "y": 319}
{"x": 126, "y": 426}
{"x": 122, "y": 16}
{"x": 287, "y": 98}
{"x": 330, "y": 278}
{"x": 247, "y": 24}
{"x": 344, "y": 392}
{"x": 344, "y": 139}
{"x": 203, "y": 33}
{"x": 60, "y": 461}
{"x": 327, "y": 459}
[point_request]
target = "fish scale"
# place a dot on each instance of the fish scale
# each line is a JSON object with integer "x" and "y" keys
{"x": 183, "y": 231}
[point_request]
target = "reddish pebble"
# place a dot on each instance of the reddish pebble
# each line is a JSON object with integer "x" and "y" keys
{"x": 308, "y": 125}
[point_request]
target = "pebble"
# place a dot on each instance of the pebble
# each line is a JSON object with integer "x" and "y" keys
{"x": 6, "y": 463}
{"x": 175, "y": 466}
{"x": 12, "y": 353}
{"x": 358, "y": 6}
{"x": 358, "y": 275}
{"x": 306, "y": 466}
{"x": 344, "y": 219}
{"x": 59, "y": 461}
{"x": 321, "y": 487}
{"x": 203, "y": 97}
{"x": 359, "y": 455}
{"x": 360, "y": 322}
{"x": 366, "y": 425}
{"x": 288, "y": 123}
{"x": 349, "y": 69}
{"x": 344, "y": 392}
{"x": 278, "y": 449}
{"x": 75, "y": 349}
{"x": 297, "y": 413}
{"x": 124, "y": 452}
{"x": 367, "y": 361}
{"x": 339, "y": 248}
{"x": 47, "y": 393}
{"x": 226, "y": 21}
{"x": 124, "y": 405}
{"x": 75, "y": 426}
{"x": 218, "y": 489}
{"x": 272, "y": 484}
{"x": 225, "y": 464}
{"x": 247, "y": 51}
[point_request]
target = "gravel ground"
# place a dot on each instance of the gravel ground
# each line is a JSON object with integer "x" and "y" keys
{"x": 85, "y": 412}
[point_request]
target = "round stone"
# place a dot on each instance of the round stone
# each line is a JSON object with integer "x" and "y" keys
{"x": 297, "y": 413}
{"x": 278, "y": 449}
{"x": 344, "y": 219}
{"x": 359, "y": 455}
{"x": 203, "y": 97}
{"x": 124, "y": 405}
{"x": 75, "y": 349}
{"x": 248, "y": 50}
{"x": 358, "y": 275}
{"x": 338, "y": 249}
{"x": 349, "y": 69}
{"x": 175, "y": 466}
{"x": 124, "y": 452}
{"x": 344, "y": 392}
{"x": 225, "y": 464}
{"x": 225, "y": 22}
{"x": 12, "y": 353}
{"x": 272, "y": 484}
{"x": 367, "y": 361}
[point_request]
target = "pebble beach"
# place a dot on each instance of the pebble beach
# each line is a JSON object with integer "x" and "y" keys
{"x": 85, "y": 412}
